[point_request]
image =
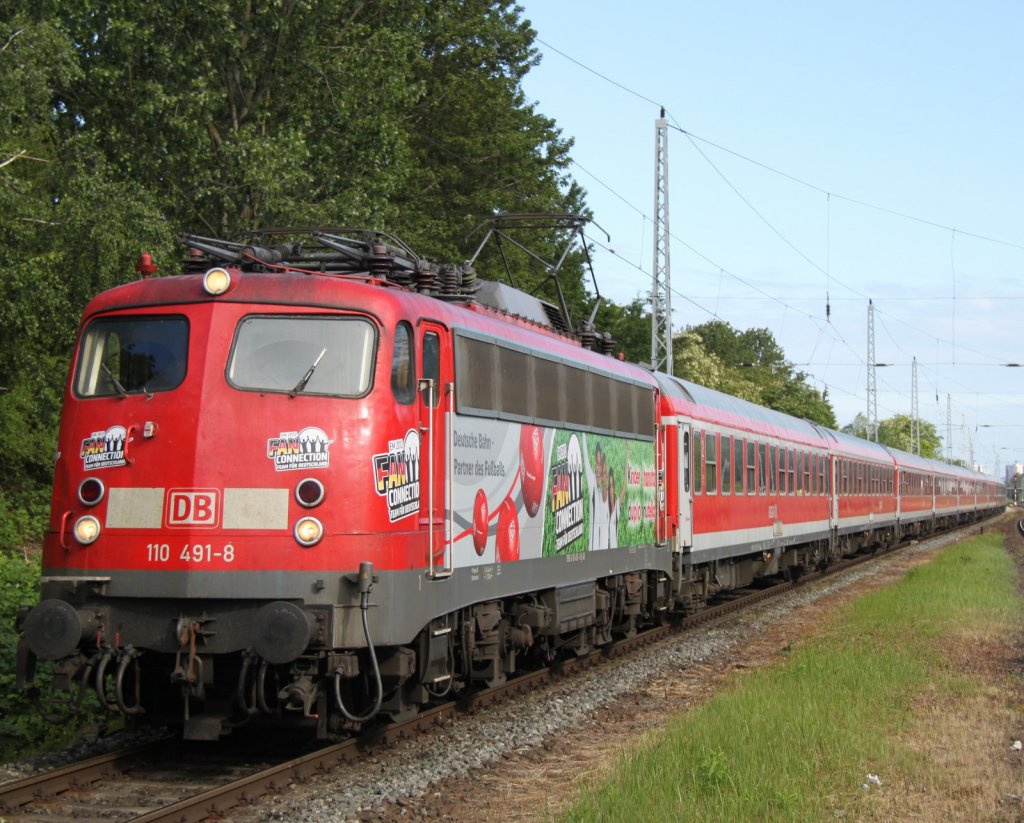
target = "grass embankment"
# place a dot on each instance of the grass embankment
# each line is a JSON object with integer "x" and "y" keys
{"x": 894, "y": 687}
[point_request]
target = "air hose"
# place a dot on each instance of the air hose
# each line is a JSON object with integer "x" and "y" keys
{"x": 365, "y": 581}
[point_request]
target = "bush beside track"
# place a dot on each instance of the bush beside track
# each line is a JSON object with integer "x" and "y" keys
{"x": 22, "y": 730}
{"x": 892, "y": 688}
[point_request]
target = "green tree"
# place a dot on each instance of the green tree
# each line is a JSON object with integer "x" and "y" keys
{"x": 753, "y": 366}
{"x": 896, "y": 432}
{"x": 124, "y": 123}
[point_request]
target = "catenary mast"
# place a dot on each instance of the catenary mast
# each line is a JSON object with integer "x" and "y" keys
{"x": 661, "y": 292}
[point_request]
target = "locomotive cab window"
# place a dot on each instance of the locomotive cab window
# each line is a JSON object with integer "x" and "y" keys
{"x": 132, "y": 355}
{"x": 432, "y": 364}
{"x": 306, "y": 354}
{"x": 403, "y": 375}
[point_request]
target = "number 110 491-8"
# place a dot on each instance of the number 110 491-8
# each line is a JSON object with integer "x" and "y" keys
{"x": 190, "y": 553}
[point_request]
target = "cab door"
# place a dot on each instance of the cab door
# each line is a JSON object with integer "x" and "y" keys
{"x": 436, "y": 398}
{"x": 685, "y": 501}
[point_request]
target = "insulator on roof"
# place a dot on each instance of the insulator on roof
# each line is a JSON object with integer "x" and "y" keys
{"x": 425, "y": 277}
{"x": 470, "y": 284}
{"x": 450, "y": 279}
{"x": 380, "y": 262}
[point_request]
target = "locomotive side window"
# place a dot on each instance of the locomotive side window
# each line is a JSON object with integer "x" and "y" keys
{"x": 432, "y": 363}
{"x": 602, "y": 408}
{"x": 311, "y": 354}
{"x": 132, "y": 354}
{"x": 549, "y": 404}
{"x": 514, "y": 380}
{"x": 403, "y": 375}
{"x": 503, "y": 382}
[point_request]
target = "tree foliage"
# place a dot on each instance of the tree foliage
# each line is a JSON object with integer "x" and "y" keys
{"x": 896, "y": 432}
{"x": 124, "y": 123}
{"x": 749, "y": 364}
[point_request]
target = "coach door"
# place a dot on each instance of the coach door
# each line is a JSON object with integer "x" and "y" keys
{"x": 685, "y": 501}
{"x": 436, "y": 395}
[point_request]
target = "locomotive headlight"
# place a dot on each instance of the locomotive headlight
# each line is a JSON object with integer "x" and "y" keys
{"x": 308, "y": 531}
{"x": 216, "y": 281}
{"x": 309, "y": 492}
{"x": 87, "y": 529}
{"x": 90, "y": 491}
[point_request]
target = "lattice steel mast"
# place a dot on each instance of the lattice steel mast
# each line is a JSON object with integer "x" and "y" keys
{"x": 872, "y": 388}
{"x": 661, "y": 291}
{"x": 915, "y": 415}
{"x": 949, "y": 429}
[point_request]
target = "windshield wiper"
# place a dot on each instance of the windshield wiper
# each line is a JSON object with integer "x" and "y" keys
{"x": 305, "y": 378}
{"x": 121, "y": 390}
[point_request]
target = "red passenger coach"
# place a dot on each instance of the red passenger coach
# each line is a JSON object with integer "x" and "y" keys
{"x": 751, "y": 491}
{"x": 319, "y": 480}
{"x": 865, "y": 478}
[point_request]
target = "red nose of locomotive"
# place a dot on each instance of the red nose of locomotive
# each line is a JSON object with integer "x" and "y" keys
{"x": 250, "y": 502}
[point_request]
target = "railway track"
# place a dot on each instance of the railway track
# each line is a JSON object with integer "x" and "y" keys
{"x": 167, "y": 780}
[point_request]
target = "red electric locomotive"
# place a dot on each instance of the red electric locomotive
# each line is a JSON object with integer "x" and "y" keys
{"x": 325, "y": 480}
{"x": 299, "y": 483}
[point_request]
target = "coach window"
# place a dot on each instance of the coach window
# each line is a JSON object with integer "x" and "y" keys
{"x": 403, "y": 376}
{"x": 751, "y": 467}
{"x": 800, "y": 472}
{"x": 686, "y": 462}
{"x": 726, "y": 464}
{"x": 762, "y": 468}
{"x": 738, "y": 464}
{"x": 791, "y": 470}
{"x": 807, "y": 473}
{"x": 773, "y": 469}
{"x": 711, "y": 462}
{"x": 698, "y": 462}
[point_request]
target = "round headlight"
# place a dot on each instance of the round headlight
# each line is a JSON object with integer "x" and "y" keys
{"x": 309, "y": 492}
{"x": 308, "y": 531}
{"x": 90, "y": 491}
{"x": 216, "y": 281}
{"x": 87, "y": 529}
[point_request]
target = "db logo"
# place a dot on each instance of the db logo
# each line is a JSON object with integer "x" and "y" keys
{"x": 192, "y": 507}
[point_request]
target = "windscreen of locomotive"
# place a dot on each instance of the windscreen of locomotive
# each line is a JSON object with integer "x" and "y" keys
{"x": 273, "y": 353}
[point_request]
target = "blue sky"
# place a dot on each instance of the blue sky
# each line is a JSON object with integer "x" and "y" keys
{"x": 907, "y": 107}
